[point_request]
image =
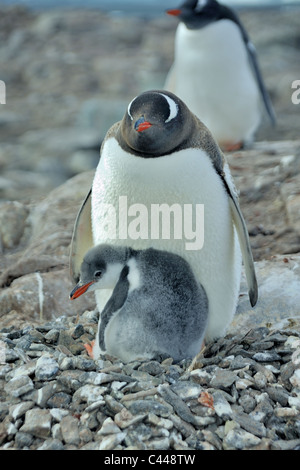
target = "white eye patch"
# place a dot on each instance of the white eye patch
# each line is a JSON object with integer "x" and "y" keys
{"x": 173, "y": 107}
{"x": 200, "y": 5}
{"x": 128, "y": 109}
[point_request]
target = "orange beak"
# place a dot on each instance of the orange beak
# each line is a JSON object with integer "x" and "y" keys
{"x": 174, "y": 12}
{"x": 79, "y": 290}
{"x": 143, "y": 126}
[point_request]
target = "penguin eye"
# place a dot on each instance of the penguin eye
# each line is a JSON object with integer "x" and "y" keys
{"x": 98, "y": 274}
{"x": 173, "y": 108}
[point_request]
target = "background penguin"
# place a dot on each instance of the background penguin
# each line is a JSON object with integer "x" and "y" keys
{"x": 215, "y": 72}
{"x": 156, "y": 308}
{"x": 162, "y": 153}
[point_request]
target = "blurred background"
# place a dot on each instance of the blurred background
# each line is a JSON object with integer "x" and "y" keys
{"x": 71, "y": 67}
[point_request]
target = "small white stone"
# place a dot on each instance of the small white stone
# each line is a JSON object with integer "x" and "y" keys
{"x": 295, "y": 379}
{"x": 89, "y": 393}
{"x": 46, "y": 368}
{"x": 286, "y": 412}
{"x": 242, "y": 384}
{"x": 111, "y": 441}
{"x": 58, "y": 413}
{"x": 295, "y": 401}
{"x": 240, "y": 439}
{"x": 109, "y": 427}
{"x": 293, "y": 342}
{"x": 296, "y": 357}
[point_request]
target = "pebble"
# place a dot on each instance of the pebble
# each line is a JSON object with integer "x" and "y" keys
{"x": 46, "y": 368}
{"x": 37, "y": 422}
{"x": 62, "y": 399}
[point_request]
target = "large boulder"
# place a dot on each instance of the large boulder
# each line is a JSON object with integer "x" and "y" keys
{"x": 35, "y": 281}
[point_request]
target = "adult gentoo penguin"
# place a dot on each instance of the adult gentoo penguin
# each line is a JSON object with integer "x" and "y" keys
{"x": 161, "y": 153}
{"x": 157, "y": 307}
{"x": 216, "y": 73}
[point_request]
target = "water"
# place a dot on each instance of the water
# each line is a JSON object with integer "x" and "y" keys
{"x": 138, "y": 7}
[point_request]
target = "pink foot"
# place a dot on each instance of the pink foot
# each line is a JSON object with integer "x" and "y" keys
{"x": 231, "y": 146}
{"x": 89, "y": 348}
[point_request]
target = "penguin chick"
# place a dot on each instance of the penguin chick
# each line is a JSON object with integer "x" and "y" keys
{"x": 216, "y": 72}
{"x": 157, "y": 307}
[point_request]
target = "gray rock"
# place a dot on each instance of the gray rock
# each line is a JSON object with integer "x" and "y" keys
{"x": 239, "y": 439}
{"x": 279, "y": 295}
{"x": 51, "y": 444}
{"x": 221, "y": 406}
{"x": 124, "y": 418}
{"x": 249, "y": 424}
{"x": 37, "y": 423}
{"x": 248, "y": 403}
{"x": 88, "y": 393}
{"x": 59, "y": 400}
{"x": 18, "y": 386}
{"x": 19, "y": 410}
{"x": 177, "y": 403}
{"x": 23, "y": 439}
{"x": 69, "y": 430}
{"x": 46, "y": 392}
{"x": 149, "y": 406}
{"x": 186, "y": 390}
{"x": 264, "y": 408}
{"x": 109, "y": 427}
{"x": 267, "y": 356}
{"x": 295, "y": 379}
{"x": 58, "y": 414}
{"x": 152, "y": 367}
{"x": 13, "y": 217}
{"x": 278, "y": 394}
{"x": 65, "y": 339}
{"x": 223, "y": 379}
{"x": 110, "y": 442}
{"x": 46, "y": 368}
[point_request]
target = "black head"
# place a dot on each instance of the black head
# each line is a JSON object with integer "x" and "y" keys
{"x": 156, "y": 123}
{"x": 197, "y": 14}
{"x": 100, "y": 268}
{"x": 98, "y": 258}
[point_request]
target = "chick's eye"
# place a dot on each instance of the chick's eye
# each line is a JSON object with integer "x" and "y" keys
{"x": 97, "y": 274}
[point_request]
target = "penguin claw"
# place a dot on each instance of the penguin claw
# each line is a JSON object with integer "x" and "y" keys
{"x": 89, "y": 348}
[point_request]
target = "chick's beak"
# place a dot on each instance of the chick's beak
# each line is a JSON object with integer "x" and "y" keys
{"x": 80, "y": 289}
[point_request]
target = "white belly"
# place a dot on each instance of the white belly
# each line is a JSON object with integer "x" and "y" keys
{"x": 186, "y": 177}
{"x": 213, "y": 77}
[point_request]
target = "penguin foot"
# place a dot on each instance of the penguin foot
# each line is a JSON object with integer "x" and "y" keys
{"x": 231, "y": 146}
{"x": 89, "y": 348}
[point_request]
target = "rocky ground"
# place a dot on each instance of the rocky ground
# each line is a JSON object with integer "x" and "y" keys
{"x": 242, "y": 392}
{"x": 69, "y": 77}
